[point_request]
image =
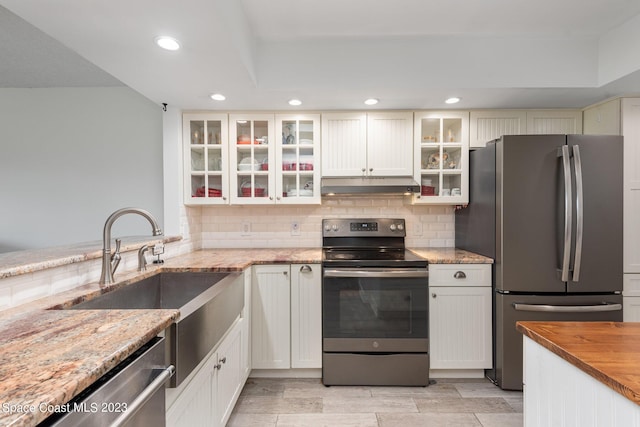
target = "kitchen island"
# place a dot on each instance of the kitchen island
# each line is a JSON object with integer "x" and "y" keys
{"x": 581, "y": 373}
{"x": 50, "y": 355}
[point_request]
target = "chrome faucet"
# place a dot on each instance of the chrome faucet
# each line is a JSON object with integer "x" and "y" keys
{"x": 110, "y": 262}
{"x": 142, "y": 261}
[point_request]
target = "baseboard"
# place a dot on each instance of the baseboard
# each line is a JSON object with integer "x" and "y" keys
{"x": 286, "y": 373}
{"x": 456, "y": 373}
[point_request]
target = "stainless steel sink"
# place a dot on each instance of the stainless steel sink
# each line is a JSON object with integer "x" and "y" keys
{"x": 209, "y": 303}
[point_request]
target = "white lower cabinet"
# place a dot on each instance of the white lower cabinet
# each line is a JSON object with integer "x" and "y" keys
{"x": 306, "y": 316}
{"x": 631, "y": 298}
{"x": 208, "y": 398}
{"x": 229, "y": 370}
{"x": 460, "y": 335}
{"x": 286, "y": 322}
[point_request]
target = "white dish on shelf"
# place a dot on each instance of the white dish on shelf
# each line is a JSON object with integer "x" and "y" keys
{"x": 306, "y": 141}
{"x": 301, "y": 193}
{"x": 248, "y": 164}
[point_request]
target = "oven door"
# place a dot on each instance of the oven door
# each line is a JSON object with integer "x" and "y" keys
{"x": 375, "y": 310}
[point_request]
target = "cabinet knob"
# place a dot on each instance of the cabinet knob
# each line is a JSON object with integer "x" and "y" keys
{"x": 277, "y": 197}
{"x": 224, "y": 198}
{"x": 370, "y": 170}
{"x": 364, "y": 170}
{"x": 285, "y": 273}
{"x": 460, "y": 275}
{"x": 433, "y": 295}
{"x": 217, "y": 366}
{"x": 223, "y": 360}
{"x": 306, "y": 269}
{"x": 270, "y": 197}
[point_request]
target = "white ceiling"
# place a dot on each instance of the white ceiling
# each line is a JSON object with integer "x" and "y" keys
{"x": 331, "y": 54}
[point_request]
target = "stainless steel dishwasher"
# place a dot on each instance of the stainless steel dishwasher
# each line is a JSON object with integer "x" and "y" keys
{"x": 131, "y": 394}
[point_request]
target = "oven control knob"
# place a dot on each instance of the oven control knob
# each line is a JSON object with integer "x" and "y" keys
{"x": 375, "y": 344}
{"x": 334, "y": 227}
{"x": 327, "y": 227}
{"x": 392, "y": 227}
{"x": 400, "y": 227}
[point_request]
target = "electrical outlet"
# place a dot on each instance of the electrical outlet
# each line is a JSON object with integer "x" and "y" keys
{"x": 295, "y": 228}
{"x": 417, "y": 229}
{"x": 246, "y": 228}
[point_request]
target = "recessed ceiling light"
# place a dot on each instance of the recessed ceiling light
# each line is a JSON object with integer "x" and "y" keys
{"x": 218, "y": 97}
{"x": 452, "y": 100}
{"x": 168, "y": 43}
{"x": 295, "y": 102}
{"x": 371, "y": 101}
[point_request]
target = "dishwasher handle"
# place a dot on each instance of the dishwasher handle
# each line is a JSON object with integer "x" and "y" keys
{"x": 379, "y": 272}
{"x": 567, "y": 308}
{"x": 144, "y": 396}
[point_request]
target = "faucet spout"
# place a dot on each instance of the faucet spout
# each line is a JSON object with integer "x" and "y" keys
{"x": 106, "y": 277}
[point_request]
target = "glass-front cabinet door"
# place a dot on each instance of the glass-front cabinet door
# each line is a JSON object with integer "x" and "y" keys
{"x": 442, "y": 157}
{"x": 205, "y": 153}
{"x": 251, "y": 158}
{"x": 297, "y": 159}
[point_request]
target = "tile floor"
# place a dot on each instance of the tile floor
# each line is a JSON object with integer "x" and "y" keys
{"x": 308, "y": 403}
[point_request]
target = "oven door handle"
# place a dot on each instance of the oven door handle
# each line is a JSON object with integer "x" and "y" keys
{"x": 380, "y": 272}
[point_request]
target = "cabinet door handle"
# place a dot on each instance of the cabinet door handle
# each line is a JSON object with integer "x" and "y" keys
{"x": 433, "y": 295}
{"x": 460, "y": 275}
{"x": 306, "y": 269}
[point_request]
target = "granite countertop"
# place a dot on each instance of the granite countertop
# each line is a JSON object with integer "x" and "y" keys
{"x": 607, "y": 351}
{"x": 239, "y": 259}
{"x": 451, "y": 256}
{"x": 29, "y": 261}
{"x": 49, "y": 356}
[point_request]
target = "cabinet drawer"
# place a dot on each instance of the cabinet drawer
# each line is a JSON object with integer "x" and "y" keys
{"x": 459, "y": 274}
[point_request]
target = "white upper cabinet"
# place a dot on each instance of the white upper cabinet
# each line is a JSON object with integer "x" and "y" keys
{"x": 205, "y": 159}
{"x": 542, "y": 122}
{"x": 297, "y": 165}
{"x": 390, "y": 144}
{"x": 487, "y": 125}
{"x": 442, "y": 157}
{"x": 367, "y": 144}
{"x": 252, "y": 152}
{"x": 344, "y": 144}
{"x": 602, "y": 119}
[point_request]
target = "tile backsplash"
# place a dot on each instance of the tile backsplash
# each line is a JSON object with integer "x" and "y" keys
{"x": 271, "y": 226}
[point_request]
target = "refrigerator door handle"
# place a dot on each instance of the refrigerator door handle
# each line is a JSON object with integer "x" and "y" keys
{"x": 566, "y": 256}
{"x": 567, "y": 308}
{"x": 579, "y": 213}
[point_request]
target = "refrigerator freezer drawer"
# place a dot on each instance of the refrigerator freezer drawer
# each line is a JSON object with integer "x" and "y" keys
{"x": 513, "y": 308}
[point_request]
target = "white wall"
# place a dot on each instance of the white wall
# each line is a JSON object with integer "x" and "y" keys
{"x": 71, "y": 156}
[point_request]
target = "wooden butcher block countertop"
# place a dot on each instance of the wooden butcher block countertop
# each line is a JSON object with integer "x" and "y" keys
{"x": 607, "y": 351}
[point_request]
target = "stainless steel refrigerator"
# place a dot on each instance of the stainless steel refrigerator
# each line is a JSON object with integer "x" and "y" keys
{"x": 548, "y": 210}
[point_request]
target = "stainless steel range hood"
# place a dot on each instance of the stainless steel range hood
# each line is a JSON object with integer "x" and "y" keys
{"x": 370, "y": 185}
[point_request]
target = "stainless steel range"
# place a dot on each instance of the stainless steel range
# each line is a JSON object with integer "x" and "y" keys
{"x": 374, "y": 305}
